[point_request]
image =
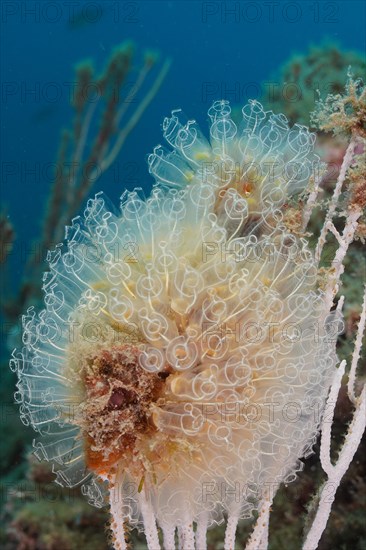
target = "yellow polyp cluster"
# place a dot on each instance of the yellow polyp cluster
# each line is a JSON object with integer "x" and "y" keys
{"x": 202, "y": 155}
{"x": 189, "y": 176}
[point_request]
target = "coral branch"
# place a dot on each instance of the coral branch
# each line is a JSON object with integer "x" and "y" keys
{"x": 101, "y": 156}
{"x": 79, "y": 166}
{"x": 337, "y": 267}
{"x": 123, "y": 134}
{"x": 336, "y": 473}
{"x": 310, "y": 204}
{"x": 347, "y": 161}
{"x": 327, "y": 423}
{"x": 336, "y": 115}
{"x": 357, "y": 352}
{"x": 7, "y": 237}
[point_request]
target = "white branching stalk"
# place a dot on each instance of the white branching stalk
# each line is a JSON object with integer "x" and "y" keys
{"x": 259, "y": 538}
{"x": 357, "y": 352}
{"x": 201, "y": 532}
{"x": 310, "y": 204}
{"x": 186, "y": 536}
{"x": 337, "y": 267}
{"x": 347, "y": 161}
{"x": 335, "y": 472}
{"x": 117, "y": 517}
{"x": 230, "y": 532}
{"x": 151, "y": 531}
{"x": 168, "y": 537}
{"x": 328, "y": 421}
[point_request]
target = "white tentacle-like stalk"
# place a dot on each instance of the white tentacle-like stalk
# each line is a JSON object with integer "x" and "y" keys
{"x": 151, "y": 531}
{"x": 201, "y": 533}
{"x": 347, "y": 161}
{"x": 357, "y": 352}
{"x": 186, "y": 536}
{"x": 230, "y": 533}
{"x": 328, "y": 421}
{"x": 168, "y": 537}
{"x": 259, "y": 537}
{"x": 335, "y": 472}
{"x": 310, "y": 204}
{"x": 351, "y": 443}
{"x": 344, "y": 240}
{"x": 117, "y": 517}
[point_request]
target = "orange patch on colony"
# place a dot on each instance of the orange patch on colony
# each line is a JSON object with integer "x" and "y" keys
{"x": 116, "y": 409}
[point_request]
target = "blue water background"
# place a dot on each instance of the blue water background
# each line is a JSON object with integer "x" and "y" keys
{"x": 214, "y": 47}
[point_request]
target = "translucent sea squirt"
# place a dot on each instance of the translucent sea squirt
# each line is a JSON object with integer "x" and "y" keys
{"x": 182, "y": 349}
